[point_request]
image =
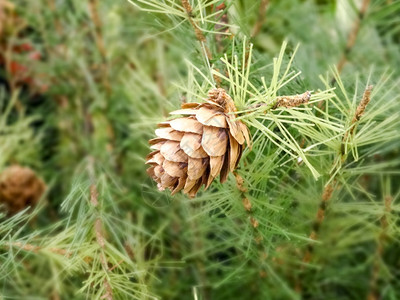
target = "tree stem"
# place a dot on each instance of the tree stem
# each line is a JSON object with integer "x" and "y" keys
{"x": 352, "y": 37}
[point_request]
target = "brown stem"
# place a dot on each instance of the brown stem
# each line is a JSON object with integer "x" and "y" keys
{"x": 357, "y": 115}
{"x": 261, "y": 17}
{"x": 222, "y": 28}
{"x": 246, "y": 201}
{"x": 286, "y": 101}
{"x": 330, "y": 187}
{"x": 199, "y": 34}
{"x": 94, "y": 14}
{"x": 373, "y": 291}
{"x": 98, "y": 228}
{"x": 352, "y": 37}
{"x": 33, "y": 248}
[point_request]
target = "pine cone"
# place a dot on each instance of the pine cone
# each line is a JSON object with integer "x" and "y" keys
{"x": 192, "y": 150}
{"x": 19, "y": 188}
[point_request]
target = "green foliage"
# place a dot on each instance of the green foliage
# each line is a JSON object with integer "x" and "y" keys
{"x": 104, "y": 231}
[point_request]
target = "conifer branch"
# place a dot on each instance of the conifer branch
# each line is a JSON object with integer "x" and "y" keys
{"x": 260, "y": 17}
{"x": 286, "y": 101}
{"x": 35, "y": 249}
{"x": 373, "y": 291}
{"x": 332, "y": 184}
{"x": 247, "y": 205}
{"x": 197, "y": 31}
{"x": 94, "y": 14}
{"x": 221, "y": 28}
{"x": 98, "y": 228}
{"x": 352, "y": 37}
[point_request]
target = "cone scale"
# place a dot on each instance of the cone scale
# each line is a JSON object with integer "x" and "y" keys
{"x": 203, "y": 142}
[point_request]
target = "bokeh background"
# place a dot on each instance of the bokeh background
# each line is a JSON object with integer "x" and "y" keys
{"x": 82, "y": 86}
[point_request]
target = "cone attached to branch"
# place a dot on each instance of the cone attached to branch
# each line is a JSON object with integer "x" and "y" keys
{"x": 20, "y": 187}
{"x": 192, "y": 150}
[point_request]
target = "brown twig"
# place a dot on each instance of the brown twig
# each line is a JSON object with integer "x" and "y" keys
{"x": 330, "y": 187}
{"x": 98, "y": 228}
{"x": 373, "y": 292}
{"x": 199, "y": 34}
{"x": 286, "y": 101}
{"x": 33, "y": 248}
{"x": 357, "y": 115}
{"x": 223, "y": 28}
{"x": 245, "y": 200}
{"x": 260, "y": 18}
{"x": 352, "y": 37}
{"x": 98, "y": 36}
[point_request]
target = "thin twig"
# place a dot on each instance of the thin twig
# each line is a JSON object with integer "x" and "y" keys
{"x": 33, "y": 248}
{"x": 260, "y": 18}
{"x": 246, "y": 202}
{"x": 94, "y": 14}
{"x": 285, "y": 101}
{"x": 373, "y": 291}
{"x": 330, "y": 187}
{"x": 199, "y": 34}
{"x": 222, "y": 26}
{"x": 98, "y": 228}
{"x": 352, "y": 37}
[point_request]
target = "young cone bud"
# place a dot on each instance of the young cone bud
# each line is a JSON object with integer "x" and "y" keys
{"x": 19, "y": 188}
{"x": 192, "y": 150}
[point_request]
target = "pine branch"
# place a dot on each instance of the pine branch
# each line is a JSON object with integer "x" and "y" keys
{"x": 262, "y": 10}
{"x": 352, "y": 37}
{"x": 93, "y": 7}
{"x": 373, "y": 291}
{"x": 199, "y": 34}
{"x": 33, "y": 248}
{"x": 285, "y": 101}
{"x": 98, "y": 229}
{"x": 332, "y": 183}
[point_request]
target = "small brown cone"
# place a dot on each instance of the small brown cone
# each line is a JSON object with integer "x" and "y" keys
{"x": 192, "y": 150}
{"x": 19, "y": 188}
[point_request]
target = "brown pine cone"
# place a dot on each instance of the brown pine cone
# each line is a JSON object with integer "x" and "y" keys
{"x": 20, "y": 188}
{"x": 192, "y": 150}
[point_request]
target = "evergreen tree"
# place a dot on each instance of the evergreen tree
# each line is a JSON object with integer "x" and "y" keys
{"x": 310, "y": 212}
